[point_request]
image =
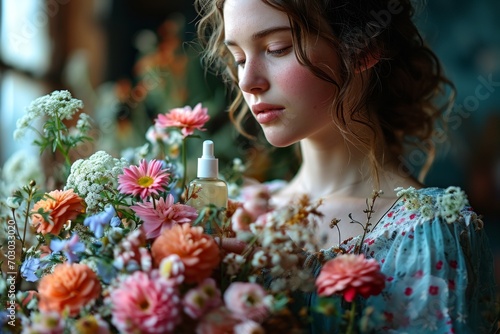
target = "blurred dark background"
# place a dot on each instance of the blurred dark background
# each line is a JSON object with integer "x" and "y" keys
{"x": 130, "y": 60}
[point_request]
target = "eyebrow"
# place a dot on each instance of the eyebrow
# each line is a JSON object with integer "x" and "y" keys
{"x": 261, "y": 34}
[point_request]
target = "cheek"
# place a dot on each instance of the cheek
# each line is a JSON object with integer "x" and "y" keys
{"x": 299, "y": 82}
{"x": 293, "y": 79}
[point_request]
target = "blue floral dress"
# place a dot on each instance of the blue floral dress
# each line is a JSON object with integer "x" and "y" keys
{"x": 435, "y": 255}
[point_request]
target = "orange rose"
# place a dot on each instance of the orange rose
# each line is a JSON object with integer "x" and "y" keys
{"x": 198, "y": 251}
{"x": 61, "y": 206}
{"x": 70, "y": 287}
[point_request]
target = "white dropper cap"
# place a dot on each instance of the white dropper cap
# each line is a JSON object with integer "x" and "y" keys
{"x": 208, "y": 165}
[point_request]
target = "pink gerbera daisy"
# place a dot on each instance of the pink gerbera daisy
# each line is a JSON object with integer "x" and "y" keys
{"x": 163, "y": 215}
{"x": 186, "y": 119}
{"x": 145, "y": 180}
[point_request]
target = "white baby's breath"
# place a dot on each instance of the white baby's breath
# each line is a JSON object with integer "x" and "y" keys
{"x": 238, "y": 165}
{"x": 259, "y": 259}
{"x": 58, "y": 104}
{"x": 427, "y": 211}
{"x": 450, "y": 203}
{"x": 278, "y": 284}
{"x": 447, "y": 205}
{"x": 405, "y": 192}
{"x": 234, "y": 263}
{"x": 233, "y": 190}
{"x": 20, "y": 168}
{"x": 83, "y": 123}
{"x": 91, "y": 177}
{"x": 280, "y": 233}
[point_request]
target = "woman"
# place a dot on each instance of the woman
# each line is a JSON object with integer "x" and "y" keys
{"x": 353, "y": 83}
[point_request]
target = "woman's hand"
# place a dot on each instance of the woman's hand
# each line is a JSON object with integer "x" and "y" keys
{"x": 232, "y": 245}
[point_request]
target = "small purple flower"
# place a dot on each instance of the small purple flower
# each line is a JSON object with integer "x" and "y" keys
{"x": 4, "y": 317}
{"x": 105, "y": 270}
{"x": 97, "y": 222}
{"x": 29, "y": 267}
{"x": 68, "y": 247}
{"x": 115, "y": 221}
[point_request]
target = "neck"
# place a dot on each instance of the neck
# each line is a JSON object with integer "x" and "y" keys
{"x": 335, "y": 167}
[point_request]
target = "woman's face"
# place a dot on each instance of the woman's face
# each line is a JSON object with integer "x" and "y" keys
{"x": 286, "y": 98}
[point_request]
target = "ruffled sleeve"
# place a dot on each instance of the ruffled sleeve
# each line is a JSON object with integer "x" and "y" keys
{"x": 438, "y": 268}
{"x": 439, "y": 278}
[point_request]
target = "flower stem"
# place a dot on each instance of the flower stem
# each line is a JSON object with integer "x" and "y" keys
{"x": 28, "y": 204}
{"x": 184, "y": 164}
{"x": 350, "y": 327}
{"x": 369, "y": 212}
{"x": 31, "y": 192}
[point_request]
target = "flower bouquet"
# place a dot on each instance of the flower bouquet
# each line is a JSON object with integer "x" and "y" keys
{"x": 116, "y": 249}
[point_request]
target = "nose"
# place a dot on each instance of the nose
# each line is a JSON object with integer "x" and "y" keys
{"x": 252, "y": 77}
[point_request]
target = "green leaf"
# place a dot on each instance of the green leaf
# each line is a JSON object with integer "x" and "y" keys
{"x": 326, "y": 306}
{"x": 281, "y": 302}
{"x": 45, "y": 215}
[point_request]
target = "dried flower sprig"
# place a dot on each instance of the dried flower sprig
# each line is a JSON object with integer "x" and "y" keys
{"x": 22, "y": 198}
{"x": 54, "y": 109}
{"x": 350, "y": 275}
{"x": 369, "y": 211}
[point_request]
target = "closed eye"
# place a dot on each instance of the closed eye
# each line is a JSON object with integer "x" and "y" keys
{"x": 280, "y": 52}
{"x": 239, "y": 63}
{"x": 276, "y": 53}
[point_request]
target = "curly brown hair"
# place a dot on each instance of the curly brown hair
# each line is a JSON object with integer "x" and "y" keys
{"x": 405, "y": 93}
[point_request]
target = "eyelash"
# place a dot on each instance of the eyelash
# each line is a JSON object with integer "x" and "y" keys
{"x": 274, "y": 53}
{"x": 280, "y": 51}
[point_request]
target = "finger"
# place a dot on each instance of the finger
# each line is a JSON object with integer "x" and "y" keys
{"x": 232, "y": 245}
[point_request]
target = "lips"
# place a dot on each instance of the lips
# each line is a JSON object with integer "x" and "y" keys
{"x": 266, "y": 113}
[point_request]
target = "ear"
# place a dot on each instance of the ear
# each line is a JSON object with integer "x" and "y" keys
{"x": 367, "y": 62}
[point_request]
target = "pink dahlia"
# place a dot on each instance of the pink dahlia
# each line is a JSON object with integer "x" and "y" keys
{"x": 247, "y": 301}
{"x": 350, "y": 275}
{"x": 186, "y": 119}
{"x": 241, "y": 220}
{"x": 146, "y": 180}
{"x": 219, "y": 320}
{"x": 141, "y": 304}
{"x": 199, "y": 300}
{"x": 249, "y": 327}
{"x": 256, "y": 200}
{"x": 165, "y": 215}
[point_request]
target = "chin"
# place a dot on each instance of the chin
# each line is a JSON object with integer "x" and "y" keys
{"x": 280, "y": 141}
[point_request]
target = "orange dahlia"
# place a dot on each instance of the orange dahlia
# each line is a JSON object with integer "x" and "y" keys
{"x": 61, "y": 207}
{"x": 69, "y": 287}
{"x": 198, "y": 251}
